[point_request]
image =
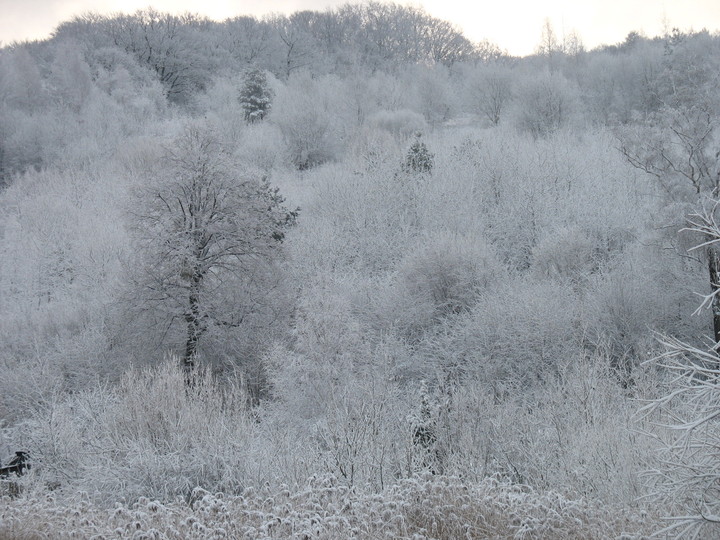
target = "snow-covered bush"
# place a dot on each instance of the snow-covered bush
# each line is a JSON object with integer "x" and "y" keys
{"x": 568, "y": 253}
{"x": 373, "y": 149}
{"x": 428, "y": 91}
{"x": 512, "y": 328}
{"x": 156, "y": 434}
{"x": 682, "y": 424}
{"x": 488, "y": 91}
{"x": 401, "y": 123}
{"x": 220, "y": 105}
{"x": 310, "y": 114}
{"x": 336, "y": 393}
{"x": 356, "y": 219}
{"x": 545, "y": 104}
{"x": 441, "y": 275}
{"x": 261, "y": 145}
{"x": 629, "y": 301}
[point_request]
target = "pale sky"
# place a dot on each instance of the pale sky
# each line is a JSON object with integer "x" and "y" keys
{"x": 514, "y": 25}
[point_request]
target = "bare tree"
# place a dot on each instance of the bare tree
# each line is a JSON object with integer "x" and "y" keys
{"x": 687, "y": 416}
{"x": 678, "y": 143}
{"x": 490, "y": 90}
{"x": 681, "y": 149}
{"x": 297, "y": 44}
{"x": 202, "y": 231}
{"x": 248, "y": 40}
{"x": 445, "y": 44}
{"x": 169, "y": 45}
{"x": 550, "y": 47}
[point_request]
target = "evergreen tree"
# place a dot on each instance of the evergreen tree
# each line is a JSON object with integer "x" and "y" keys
{"x": 419, "y": 159}
{"x": 255, "y": 96}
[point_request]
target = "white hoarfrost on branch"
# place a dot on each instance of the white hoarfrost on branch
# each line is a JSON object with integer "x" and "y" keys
{"x": 687, "y": 419}
{"x": 204, "y": 231}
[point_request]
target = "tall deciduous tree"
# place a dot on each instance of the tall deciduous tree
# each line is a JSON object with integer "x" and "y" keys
{"x": 688, "y": 474}
{"x": 203, "y": 230}
{"x": 678, "y": 143}
{"x": 297, "y": 47}
{"x": 489, "y": 91}
{"x": 549, "y": 46}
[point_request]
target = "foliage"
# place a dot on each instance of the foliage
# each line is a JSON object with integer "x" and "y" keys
{"x": 547, "y": 104}
{"x": 489, "y": 90}
{"x": 150, "y": 435}
{"x": 567, "y": 253}
{"x": 401, "y": 123}
{"x": 309, "y": 116}
{"x": 442, "y": 275}
{"x": 685, "y": 417}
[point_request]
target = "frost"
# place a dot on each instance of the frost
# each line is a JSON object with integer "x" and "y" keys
{"x": 411, "y": 509}
{"x": 449, "y": 341}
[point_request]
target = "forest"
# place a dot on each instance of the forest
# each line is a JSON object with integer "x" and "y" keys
{"x": 348, "y": 274}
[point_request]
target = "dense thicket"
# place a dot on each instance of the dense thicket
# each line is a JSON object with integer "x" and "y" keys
{"x": 485, "y": 251}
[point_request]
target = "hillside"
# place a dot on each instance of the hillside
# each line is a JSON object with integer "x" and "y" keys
{"x": 344, "y": 267}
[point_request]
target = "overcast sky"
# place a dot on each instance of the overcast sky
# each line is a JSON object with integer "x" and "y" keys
{"x": 514, "y": 25}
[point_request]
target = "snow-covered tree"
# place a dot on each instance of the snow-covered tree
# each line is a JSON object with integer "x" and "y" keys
{"x": 688, "y": 472}
{"x": 678, "y": 146}
{"x": 312, "y": 114}
{"x": 255, "y": 95}
{"x": 203, "y": 231}
{"x": 418, "y": 159}
{"x": 489, "y": 91}
{"x": 546, "y": 103}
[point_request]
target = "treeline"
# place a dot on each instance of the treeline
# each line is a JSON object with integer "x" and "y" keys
{"x": 95, "y": 66}
{"x": 186, "y": 52}
{"x": 150, "y": 56}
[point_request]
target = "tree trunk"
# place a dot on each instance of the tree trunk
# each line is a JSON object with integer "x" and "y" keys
{"x": 194, "y": 325}
{"x": 713, "y": 255}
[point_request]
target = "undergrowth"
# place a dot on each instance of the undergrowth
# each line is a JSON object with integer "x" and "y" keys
{"x": 430, "y": 508}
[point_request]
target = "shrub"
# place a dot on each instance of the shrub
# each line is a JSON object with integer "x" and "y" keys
{"x": 402, "y": 123}
{"x": 310, "y": 114}
{"x": 567, "y": 253}
{"x": 152, "y": 435}
{"x": 442, "y": 275}
{"x": 515, "y": 330}
{"x": 443, "y": 508}
{"x": 545, "y": 104}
